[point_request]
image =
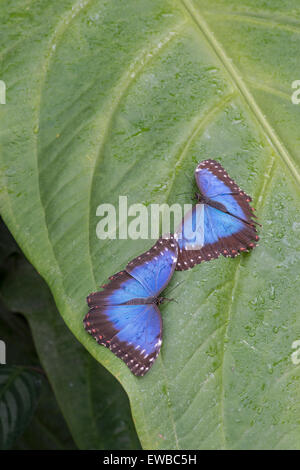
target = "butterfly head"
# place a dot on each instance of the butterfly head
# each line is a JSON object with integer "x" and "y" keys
{"x": 161, "y": 300}
{"x": 201, "y": 199}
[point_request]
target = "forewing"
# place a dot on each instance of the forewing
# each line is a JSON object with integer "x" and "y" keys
{"x": 121, "y": 288}
{"x": 154, "y": 268}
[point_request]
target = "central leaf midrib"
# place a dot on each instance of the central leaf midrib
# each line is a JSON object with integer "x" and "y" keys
{"x": 250, "y": 102}
{"x": 240, "y": 85}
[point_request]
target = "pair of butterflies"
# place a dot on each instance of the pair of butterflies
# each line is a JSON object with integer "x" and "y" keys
{"x": 124, "y": 316}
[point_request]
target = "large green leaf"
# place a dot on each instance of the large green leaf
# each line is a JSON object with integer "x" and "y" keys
{"x": 122, "y": 98}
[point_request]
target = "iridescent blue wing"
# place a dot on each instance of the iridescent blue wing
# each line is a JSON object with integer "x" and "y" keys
{"x": 124, "y": 316}
{"x": 122, "y": 288}
{"x": 190, "y": 233}
{"x": 206, "y": 232}
{"x": 132, "y": 332}
{"x": 215, "y": 183}
{"x": 154, "y": 268}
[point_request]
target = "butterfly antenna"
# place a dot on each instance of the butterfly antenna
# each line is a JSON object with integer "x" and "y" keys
{"x": 189, "y": 178}
{"x": 180, "y": 194}
{"x": 173, "y": 288}
{"x": 170, "y": 300}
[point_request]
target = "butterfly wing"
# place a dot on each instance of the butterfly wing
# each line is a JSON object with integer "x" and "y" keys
{"x": 132, "y": 332}
{"x": 122, "y": 288}
{"x": 124, "y": 316}
{"x": 226, "y": 232}
{"x": 215, "y": 183}
{"x": 190, "y": 233}
{"x": 154, "y": 268}
{"x": 213, "y": 179}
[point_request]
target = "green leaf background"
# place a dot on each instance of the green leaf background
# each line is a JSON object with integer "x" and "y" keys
{"x": 110, "y": 98}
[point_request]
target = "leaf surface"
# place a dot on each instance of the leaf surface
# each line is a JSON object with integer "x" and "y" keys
{"x": 123, "y": 98}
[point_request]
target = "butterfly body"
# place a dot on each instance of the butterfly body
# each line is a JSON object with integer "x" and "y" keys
{"x": 124, "y": 316}
{"x": 145, "y": 301}
{"x": 210, "y": 202}
{"x": 220, "y": 223}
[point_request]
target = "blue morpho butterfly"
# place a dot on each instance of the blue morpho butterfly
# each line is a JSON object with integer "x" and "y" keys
{"x": 221, "y": 221}
{"x": 124, "y": 316}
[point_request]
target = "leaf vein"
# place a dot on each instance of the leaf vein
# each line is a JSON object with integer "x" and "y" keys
{"x": 245, "y": 93}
